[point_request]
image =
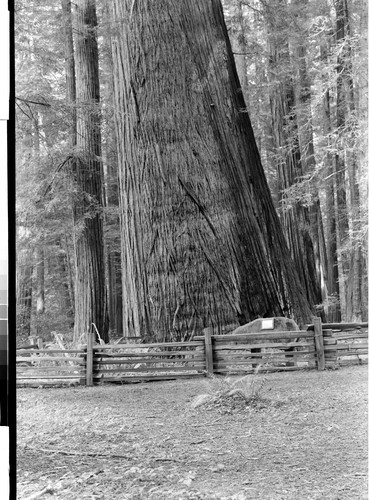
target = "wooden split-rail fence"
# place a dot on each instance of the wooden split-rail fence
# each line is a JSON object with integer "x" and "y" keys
{"x": 318, "y": 346}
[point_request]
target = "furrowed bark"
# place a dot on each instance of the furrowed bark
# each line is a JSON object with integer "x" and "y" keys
{"x": 201, "y": 242}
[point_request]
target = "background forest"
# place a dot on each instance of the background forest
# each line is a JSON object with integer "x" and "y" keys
{"x": 177, "y": 168}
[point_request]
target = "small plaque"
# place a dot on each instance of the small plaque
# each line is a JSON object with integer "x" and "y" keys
{"x": 267, "y": 324}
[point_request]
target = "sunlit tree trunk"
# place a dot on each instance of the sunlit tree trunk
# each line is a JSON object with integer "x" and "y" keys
{"x": 351, "y": 261}
{"x": 238, "y": 39}
{"x": 40, "y": 281}
{"x": 341, "y": 196}
{"x": 24, "y": 272}
{"x": 112, "y": 223}
{"x": 306, "y": 146}
{"x": 201, "y": 242}
{"x": 70, "y": 71}
{"x": 63, "y": 269}
{"x": 363, "y": 153}
{"x": 90, "y": 290}
{"x": 70, "y": 98}
{"x": 39, "y": 277}
{"x": 70, "y": 278}
{"x": 333, "y": 310}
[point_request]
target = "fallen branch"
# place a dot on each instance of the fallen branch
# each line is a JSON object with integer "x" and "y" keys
{"x": 76, "y": 453}
{"x": 204, "y": 440}
{"x": 48, "y": 489}
{"x": 207, "y": 423}
{"x": 166, "y": 460}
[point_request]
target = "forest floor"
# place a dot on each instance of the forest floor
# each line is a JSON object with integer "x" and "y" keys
{"x": 305, "y": 439}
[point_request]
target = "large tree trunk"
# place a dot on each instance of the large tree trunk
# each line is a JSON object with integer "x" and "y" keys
{"x": 90, "y": 290}
{"x": 202, "y": 243}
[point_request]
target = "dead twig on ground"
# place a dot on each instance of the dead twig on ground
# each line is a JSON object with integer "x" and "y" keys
{"x": 208, "y": 423}
{"x": 76, "y": 453}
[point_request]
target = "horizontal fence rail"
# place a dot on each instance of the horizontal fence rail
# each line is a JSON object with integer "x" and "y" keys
{"x": 318, "y": 346}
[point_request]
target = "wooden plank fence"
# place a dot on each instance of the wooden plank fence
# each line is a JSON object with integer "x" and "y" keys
{"x": 51, "y": 366}
{"x": 275, "y": 351}
{"x": 316, "y": 347}
{"x": 133, "y": 362}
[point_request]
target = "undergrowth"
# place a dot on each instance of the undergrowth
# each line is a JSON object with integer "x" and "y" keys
{"x": 230, "y": 393}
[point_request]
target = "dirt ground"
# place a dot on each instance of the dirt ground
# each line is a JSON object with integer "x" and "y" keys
{"x": 307, "y": 439}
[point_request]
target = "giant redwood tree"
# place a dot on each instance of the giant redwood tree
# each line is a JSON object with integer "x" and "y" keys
{"x": 90, "y": 288}
{"x": 201, "y": 241}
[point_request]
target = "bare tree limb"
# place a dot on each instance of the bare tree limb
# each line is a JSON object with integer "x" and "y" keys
{"x": 33, "y": 102}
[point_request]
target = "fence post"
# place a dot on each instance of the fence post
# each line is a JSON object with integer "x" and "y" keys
{"x": 89, "y": 359}
{"x": 330, "y": 356}
{"x": 319, "y": 345}
{"x": 208, "y": 332}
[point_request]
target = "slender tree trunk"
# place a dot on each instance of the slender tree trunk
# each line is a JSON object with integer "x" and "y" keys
{"x": 23, "y": 286}
{"x": 40, "y": 281}
{"x": 202, "y": 243}
{"x": 62, "y": 266}
{"x": 240, "y": 49}
{"x": 70, "y": 98}
{"x": 346, "y": 163}
{"x": 91, "y": 295}
{"x": 333, "y": 310}
{"x": 341, "y": 197}
{"x": 71, "y": 281}
{"x": 39, "y": 250}
{"x": 363, "y": 155}
{"x": 112, "y": 223}
{"x": 70, "y": 71}
{"x": 306, "y": 144}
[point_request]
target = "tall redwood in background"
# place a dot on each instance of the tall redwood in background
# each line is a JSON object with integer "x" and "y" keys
{"x": 90, "y": 288}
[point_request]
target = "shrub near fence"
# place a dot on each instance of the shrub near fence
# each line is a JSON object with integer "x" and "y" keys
{"x": 318, "y": 346}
